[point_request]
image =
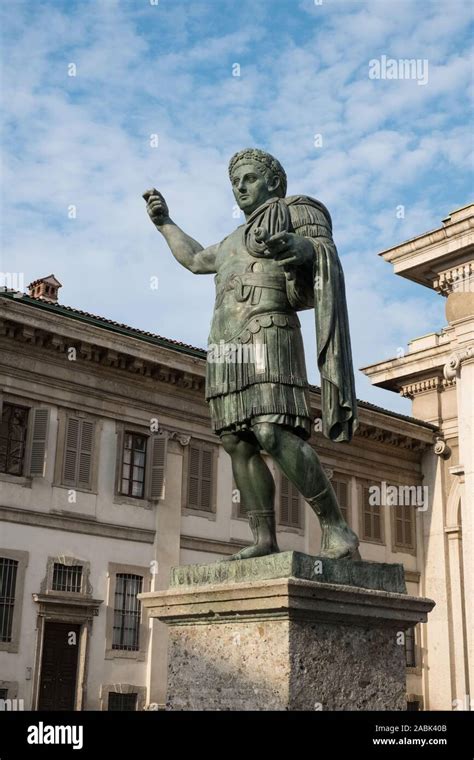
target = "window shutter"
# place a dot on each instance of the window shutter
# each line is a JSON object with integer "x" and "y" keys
{"x": 206, "y": 479}
{"x": 193, "y": 477}
{"x": 38, "y": 441}
{"x": 158, "y": 466}
{"x": 377, "y": 523}
{"x": 284, "y": 500}
{"x": 200, "y": 478}
{"x": 295, "y": 508}
{"x": 85, "y": 454}
{"x": 409, "y": 526}
{"x": 404, "y": 525}
{"x": 367, "y": 512}
{"x": 399, "y": 526}
{"x": 342, "y": 493}
{"x": 71, "y": 451}
{"x": 78, "y": 451}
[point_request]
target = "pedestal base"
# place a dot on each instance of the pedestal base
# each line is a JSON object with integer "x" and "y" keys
{"x": 286, "y": 642}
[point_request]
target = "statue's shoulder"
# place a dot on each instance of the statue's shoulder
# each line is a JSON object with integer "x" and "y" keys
{"x": 231, "y": 238}
{"x": 307, "y": 212}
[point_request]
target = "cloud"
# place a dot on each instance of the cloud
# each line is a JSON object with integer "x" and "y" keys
{"x": 166, "y": 70}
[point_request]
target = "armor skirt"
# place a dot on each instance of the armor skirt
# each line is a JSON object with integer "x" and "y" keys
{"x": 260, "y": 376}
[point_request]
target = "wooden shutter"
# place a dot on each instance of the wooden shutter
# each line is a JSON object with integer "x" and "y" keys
{"x": 372, "y": 515}
{"x": 367, "y": 513}
{"x": 284, "y": 500}
{"x": 290, "y": 503}
{"x": 377, "y": 522}
{"x": 295, "y": 507}
{"x": 404, "y": 525}
{"x": 159, "y": 447}
{"x": 200, "y": 478}
{"x": 206, "y": 480}
{"x": 409, "y": 525}
{"x": 39, "y": 435}
{"x": 78, "y": 452}
{"x": 193, "y": 477}
{"x": 341, "y": 489}
{"x": 84, "y": 474}
{"x": 71, "y": 449}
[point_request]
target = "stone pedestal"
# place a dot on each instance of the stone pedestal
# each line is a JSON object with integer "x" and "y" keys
{"x": 287, "y": 632}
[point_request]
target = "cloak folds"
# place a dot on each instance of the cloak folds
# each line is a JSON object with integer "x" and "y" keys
{"x": 322, "y": 286}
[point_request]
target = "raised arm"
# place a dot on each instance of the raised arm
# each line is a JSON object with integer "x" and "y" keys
{"x": 184, "y": 248}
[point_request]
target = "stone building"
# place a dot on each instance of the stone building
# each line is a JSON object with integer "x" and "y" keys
{"x": 437, "y": 373}
{"x": 110, "y": 475}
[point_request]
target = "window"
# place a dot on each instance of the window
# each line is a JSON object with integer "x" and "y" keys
{"x": 414, "y": 705}
{"x": 404, "y": 523}
{"x": 122, "y": 702}
{"x": 341, "y": 489}
{"x": 127, "y": 612}
{"x": 67, "y": 578}
{"x": 200, "y": 478}
{"x": 290, "y": 504}
{"x": 133, "y": 465}
{"x": 77, "y": 466}
{"x": 3, "y": 694}
{"x": 410, "y": 648}
{"x": 372, "y": 529}
{"x": 13, "y": 427}
{"x": 8, "y": 573}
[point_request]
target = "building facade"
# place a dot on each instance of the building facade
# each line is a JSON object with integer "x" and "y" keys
{"x": 437, "y": 373}
{"x": 110, "y": 475}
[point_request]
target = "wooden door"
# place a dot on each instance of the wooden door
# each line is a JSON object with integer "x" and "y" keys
{"x": 59, "y": 666}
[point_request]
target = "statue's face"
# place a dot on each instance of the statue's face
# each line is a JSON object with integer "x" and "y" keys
{"x": 251, "y": 186}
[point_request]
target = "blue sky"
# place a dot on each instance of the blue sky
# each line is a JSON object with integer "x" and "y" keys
{"x": 167, "y": 69}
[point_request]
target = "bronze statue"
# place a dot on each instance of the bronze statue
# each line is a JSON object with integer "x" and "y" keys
{"x": 281, "y": 261}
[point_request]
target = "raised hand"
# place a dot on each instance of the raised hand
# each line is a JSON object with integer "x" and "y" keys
{"x": 156, "y": 207}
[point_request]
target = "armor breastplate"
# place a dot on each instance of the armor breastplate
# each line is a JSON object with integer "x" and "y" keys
{"x": 243, "y": 291}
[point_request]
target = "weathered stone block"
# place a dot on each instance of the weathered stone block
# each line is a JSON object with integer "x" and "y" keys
{"x": 261, "y": 634}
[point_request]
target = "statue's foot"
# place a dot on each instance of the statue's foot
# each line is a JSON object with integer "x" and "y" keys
{"x": 257, "y": 550}
{"x": 262, "y": 524}
{"x": 339, "y": 542}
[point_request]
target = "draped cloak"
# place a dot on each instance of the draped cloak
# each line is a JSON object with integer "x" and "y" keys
{"x": 319, "y": 284}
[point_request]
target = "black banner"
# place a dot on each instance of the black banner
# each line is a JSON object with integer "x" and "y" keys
{"x": 378, "y": 734}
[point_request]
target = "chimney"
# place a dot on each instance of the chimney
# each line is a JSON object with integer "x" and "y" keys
{"x": 45, "y": 288}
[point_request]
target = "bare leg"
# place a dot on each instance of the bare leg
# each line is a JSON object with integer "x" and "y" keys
{"x": 300, "y": 463}
{"x": 257, "y": 493}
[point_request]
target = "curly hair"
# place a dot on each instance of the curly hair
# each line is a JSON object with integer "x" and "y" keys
{"x": 270, "y": 164}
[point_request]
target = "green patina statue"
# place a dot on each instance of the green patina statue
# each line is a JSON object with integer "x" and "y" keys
{"x": 281, "y": 261}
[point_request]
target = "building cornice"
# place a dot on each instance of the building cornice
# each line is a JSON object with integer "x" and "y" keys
{"x": 439, "y": 259}
{"x": 92, "y": 345}
{"x": 435, "y": 383}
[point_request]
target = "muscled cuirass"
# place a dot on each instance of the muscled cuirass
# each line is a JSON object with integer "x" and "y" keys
{"x": 255, "y": 333}
{"x": 245, "y": 288}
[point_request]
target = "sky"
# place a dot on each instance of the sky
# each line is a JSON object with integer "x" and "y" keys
{"x": 105, "y": 99}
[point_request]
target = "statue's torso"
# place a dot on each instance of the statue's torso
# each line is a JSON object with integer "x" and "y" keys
{"x": 246, "y": 286}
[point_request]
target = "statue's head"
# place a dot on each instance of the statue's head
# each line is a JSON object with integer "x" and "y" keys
{"x": 255, "y": 176}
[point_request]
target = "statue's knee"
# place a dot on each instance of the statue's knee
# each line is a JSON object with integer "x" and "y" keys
{"x": 267, "y": 436}
{"x": 230, "y": 442}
